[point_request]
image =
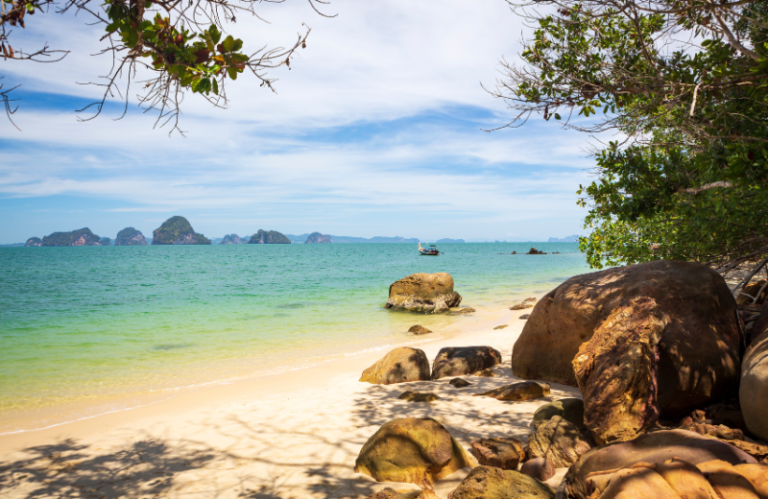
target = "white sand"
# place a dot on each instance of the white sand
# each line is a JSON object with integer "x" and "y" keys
{"x": 295, "y": 434}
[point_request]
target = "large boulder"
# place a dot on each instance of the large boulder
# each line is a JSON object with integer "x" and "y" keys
{"x": 558, "y": 440}
{"x": 650, "y": 448}
{"x": 487, "y": 482}
{"x": 617, "y": 371}
{"x": 429, "y": 293}
{"x": 570, "y": 409}
{"x": 698, "y": 352}
{"x": 412, "y": 450}
{"x": 504, "y": 453}
{"x": 458, "y": 361}
{"x": 401, "y": 365}
{"x": 753, "y": 392}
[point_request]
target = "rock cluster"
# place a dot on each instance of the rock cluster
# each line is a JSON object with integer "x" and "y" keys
{"x": 428, "y": 293}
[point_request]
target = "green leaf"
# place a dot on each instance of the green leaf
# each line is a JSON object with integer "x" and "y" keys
{"x": 228, "y": 43}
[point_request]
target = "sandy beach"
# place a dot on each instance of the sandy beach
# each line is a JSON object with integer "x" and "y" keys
{"x": 295, "y": 434}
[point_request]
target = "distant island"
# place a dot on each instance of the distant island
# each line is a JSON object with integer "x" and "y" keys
{"x": 80, "y": 237}
{"x": 33, "y": 242}
{"x": 105, "y": 241}
{"x": 272, "y": 237}
{"x": 177, "y": 231}
{"x": 301, "y": 238}
{"x": 317, "y": 238}
{"x": 568, "y": 239}
{"x": 130, "y": 237}
{"x": 232, "y": 239}
{"x": 448, "y": 240}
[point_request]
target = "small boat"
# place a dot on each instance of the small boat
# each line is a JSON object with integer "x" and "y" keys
{"x": 430, "y": 250}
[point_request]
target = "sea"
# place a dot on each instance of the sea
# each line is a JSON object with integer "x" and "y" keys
{"x": 90, "y": 330}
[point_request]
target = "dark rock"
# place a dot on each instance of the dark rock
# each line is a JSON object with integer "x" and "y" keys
{"x": 419, "y": 330}
{"x": 534, "y": 251}
{"x": 412, "y": 450}
{"x": 504, "y": 453}
{"x": 177, "y": 231}
{"x": 418, "y": 396}
{"x": 459, "y": 383}
{"x": 558, "y": 440}
{"x": 317, "y": 238}
{"x": 698, "y": 350}
{"x": 487, "y": 482}
{"x": 33, "y": 242}
{"x": 401, "y": 365}
{"x": 429, "y": 293}
{"x": 232, "y": 239}
{"x": 457, "y": 361}
{"x": 539, "y": 468}
{"x": 274, "y": 237}
{"x": 520, "y": 392}
{"x": 570, "y": 409}
{"x": 500, "y": 327}
{"x": 525, "y": 317}
{"x": 80, "y": 237}
{"x": 130, "y": 237}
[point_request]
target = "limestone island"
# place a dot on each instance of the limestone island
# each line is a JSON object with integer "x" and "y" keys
{"x": 233, "y": 239}
{"x": 33, "y": 242}
{"x": 130, "y": 237}
{"x": 272, "y": 237}
{"x": 80, "y": 237}
{"x": 317, "y": 238}
{"x": 177, "y": 230}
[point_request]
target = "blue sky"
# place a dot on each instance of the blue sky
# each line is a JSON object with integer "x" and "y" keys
{"x": 376, "y": 130}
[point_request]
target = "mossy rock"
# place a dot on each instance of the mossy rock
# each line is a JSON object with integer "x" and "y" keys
{"x": 487, "y": 482}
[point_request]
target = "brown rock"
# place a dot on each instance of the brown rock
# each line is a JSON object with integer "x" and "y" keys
{"x": 650, "y": 449}
{"x": 539, "y": 468}
{"x": 526, "y": 390}
{"x": 617, "y": 371}
{"x": 500, "y": 327}
{"x": 466, "y": 310}
{"x": 457, "y": 361}
{"x": 698, "y": 349}
{"x": 531, "y": 299}
{"x": 390, "y": 493}
{"x": 758, "y": 451}
{"x": 459, "y": 382}
{"x": 753, "y": 392}
{"x": 717, "y": 431}
{"x": 419, "y": 330}
{"x": 559, "y": 441}
{"x": 430, "y": 293}
{"x": 504, "y": 453}
{"x": 485, "y": 373}
{"x": 487, "y": 482}
{"x": 418, "y": 396}
{"x": 401, "y": 365}
{"x": 525, "y": 316}
{"x": 412, "y": 450}
{"x": 521, "y": 306}
{"x": 570, "y": 409}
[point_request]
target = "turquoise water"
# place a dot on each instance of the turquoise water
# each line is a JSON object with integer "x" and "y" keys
{"x": 88, "y": 330}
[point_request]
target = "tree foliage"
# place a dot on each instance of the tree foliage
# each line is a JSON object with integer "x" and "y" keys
{"x": 170, "y": 46}
{"x": 684, "y": 84}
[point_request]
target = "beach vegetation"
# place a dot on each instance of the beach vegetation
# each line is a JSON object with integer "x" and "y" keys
{"x": 683, "y": 88}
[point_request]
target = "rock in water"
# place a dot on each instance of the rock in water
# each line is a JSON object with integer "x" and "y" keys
{"x": 430, "y": 293}
{"x": 401, "y": 365}
{"x": 526, "y": 390}
{"x": 650, "y": 448}
{"x": 504, "y": 453}
{"x": 419, "y": 330}
{"x": 270, "y": 237}
{"x": 558, "y": 440}
{"x": 459, "y": 383}
{"x": 317, "y": 238}
{"x": 177, "y": 230}
{"x": 130, "y": 237}
{"x": 412, "y": 450}
{"x": 617, "y": 371}
{"x": 418, "y": 396}
{"x": 753, "y": 392}
{"x": 539, "y": 468}
{"x": 232, "y": 239}
{"x": 570, "y": 409}
{"x": 486, "y": 482}
{"x": 80, "y": 237}
{"x": 33, "y": 242}
{"x": 458, "y": 361}
{"x": 698, "y": 349}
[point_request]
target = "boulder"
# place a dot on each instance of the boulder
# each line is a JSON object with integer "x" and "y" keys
{"x": 418, "y": 396}
{"x": 650, "y": 448}
{"x": 401, "y": 365}
{"x": 459, "y": 383}
{"x": 419, "y": 330}
{"x": 698, "y": 352}
{"x": 753, "y": 392}
{"x": 457, "y": 361}
{"x": 520, "y": 392}
{"x": 487, "y": 482}
{"x": 428, "y": 293}
{"x": 559, "y": 441}
{"x": 412, "y": 450}
{"x": 570, "y": 409}
{"x": 504, "y": 453}
{"x": 539, "y": 468}
{"x": 617, "y": 371}
{"x": 521, "y": 306}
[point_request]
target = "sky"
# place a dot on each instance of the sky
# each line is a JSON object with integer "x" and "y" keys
{"x": 378, "y": 129}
